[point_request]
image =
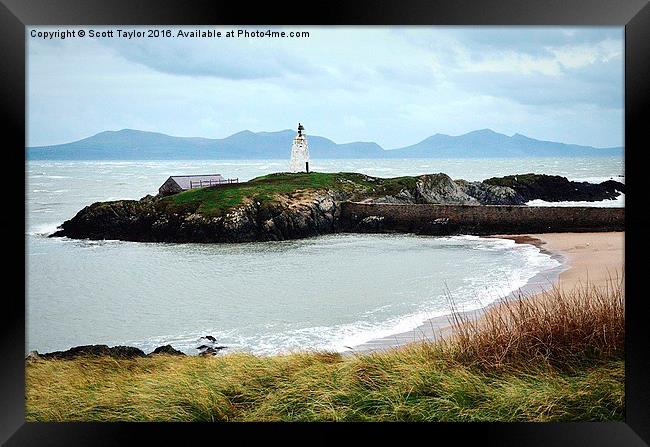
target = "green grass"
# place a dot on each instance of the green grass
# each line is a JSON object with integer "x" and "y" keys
{"x": 218, "y": 199}
{"x": 554, "y": 359}
{"x": 524, "y": 180}
{"x": 411, "y": 384}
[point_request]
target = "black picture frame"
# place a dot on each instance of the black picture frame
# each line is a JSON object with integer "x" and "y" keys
{"x": 15, "y": 15}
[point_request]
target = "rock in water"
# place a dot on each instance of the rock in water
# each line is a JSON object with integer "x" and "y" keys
{"x": 210, "y": 351}
{"x": 210, "y": 348}
{"x": 554, "y": 188}
{"x": 371, "y": 224}
{"x": 121, "y": 352}
{"x": 166, "y": 349}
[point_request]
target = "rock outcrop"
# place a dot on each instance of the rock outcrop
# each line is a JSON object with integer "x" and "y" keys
{"x": 148, "y": 221}
{"x": 487, "y": 194}
{"x": 166, "y": 350}
{"x": 92, "y": 351}
{"x": 433, "y": 188}
{"x": 553, "y": 188}
{"x": 120, "y": 352}
{"x": 286, "y": 206}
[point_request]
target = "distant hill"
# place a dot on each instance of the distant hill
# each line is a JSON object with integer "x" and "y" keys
{"x": 129, "y": 144}
{"x": 487, "y": 143}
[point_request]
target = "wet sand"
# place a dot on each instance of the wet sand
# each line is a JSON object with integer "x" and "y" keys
{"x": 591, "y": 258}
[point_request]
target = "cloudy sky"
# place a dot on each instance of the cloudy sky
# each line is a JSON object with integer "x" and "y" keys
{"x": 394, "y": 86}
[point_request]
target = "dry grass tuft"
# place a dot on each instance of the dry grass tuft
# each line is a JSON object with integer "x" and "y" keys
{"x": 557, "y": 327}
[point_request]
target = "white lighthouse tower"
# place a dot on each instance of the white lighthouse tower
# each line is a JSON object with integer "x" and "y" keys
{"x": 299, "y": 152}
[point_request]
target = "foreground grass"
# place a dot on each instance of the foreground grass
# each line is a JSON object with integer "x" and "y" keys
{"x": 409, "y": 385}
{"x": 217, "y": 199}
{"x": 521, "y": 364}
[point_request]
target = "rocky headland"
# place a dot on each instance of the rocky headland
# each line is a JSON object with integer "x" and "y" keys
{"x": 208, "y": 347}
{"x": 291, "y": 206}
{"x": 88, "y": 351}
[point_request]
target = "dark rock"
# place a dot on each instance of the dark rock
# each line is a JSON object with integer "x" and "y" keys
{"x": 554, "y": 188}
{"x": 613, "y": 184}
{"x": 210, "y": 348}
{"x": 166, "y": 349}
{"x": 211, "y": 351}
{"x": 121, "y": 352}
{"x": 438, "y": 227}
{"x": 371, "y": 224}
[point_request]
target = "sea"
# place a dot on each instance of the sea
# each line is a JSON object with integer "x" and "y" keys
{"x": 329, "y": 293}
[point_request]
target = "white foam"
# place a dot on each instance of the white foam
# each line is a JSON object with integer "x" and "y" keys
{"x": 618, "y": 202}
{"x": 44, "y": 229}
{"x": 477, "y": 292}
{"x": 481, "y": 295}
{"x": 616, "y": 178}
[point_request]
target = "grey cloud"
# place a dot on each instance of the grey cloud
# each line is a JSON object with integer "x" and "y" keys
{"x": 228, "y": 60}
{"x": 533, "y": 41}
{"x": 539, "y": 90}
{"x": 599, "y": 83}
{"x": 529, "y": 40}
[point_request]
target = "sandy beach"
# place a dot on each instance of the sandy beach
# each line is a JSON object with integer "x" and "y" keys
{"x": 586, "y": 258}
{"x": 590, "y": 257}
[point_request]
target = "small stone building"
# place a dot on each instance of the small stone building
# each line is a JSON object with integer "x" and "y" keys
{"x": 179, "y": 183}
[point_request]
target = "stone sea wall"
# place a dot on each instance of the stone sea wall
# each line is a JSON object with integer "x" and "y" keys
{"x": 476, "y": 219}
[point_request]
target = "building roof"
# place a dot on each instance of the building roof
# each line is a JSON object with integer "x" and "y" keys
{"x": 184, "y": 180}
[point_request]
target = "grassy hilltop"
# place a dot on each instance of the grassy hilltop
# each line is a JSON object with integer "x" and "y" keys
{"x": 430, "y": 188}
{"x": 213, "y": 201}
{"x": 559, "y": 358}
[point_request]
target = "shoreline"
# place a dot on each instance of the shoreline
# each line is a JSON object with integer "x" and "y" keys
{"x": 578, "y": 254}
{"x": 583, "y": 257}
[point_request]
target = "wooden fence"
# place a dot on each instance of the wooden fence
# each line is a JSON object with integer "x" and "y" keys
{"x": 205, "y": 183}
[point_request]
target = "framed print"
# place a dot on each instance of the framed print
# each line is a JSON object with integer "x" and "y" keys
{"x": 373, "y": 217}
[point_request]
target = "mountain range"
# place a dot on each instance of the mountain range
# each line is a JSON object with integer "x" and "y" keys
{"x": 129, "y": 144}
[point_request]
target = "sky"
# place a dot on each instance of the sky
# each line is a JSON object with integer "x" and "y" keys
{"x": 392, "y": 85}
